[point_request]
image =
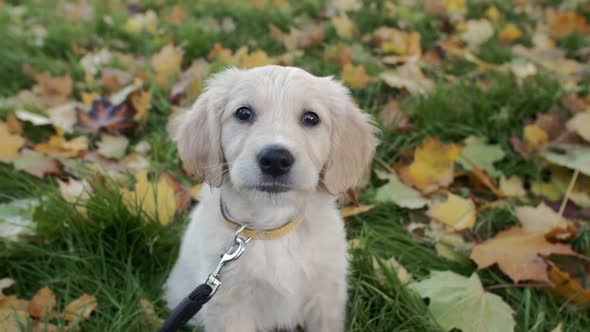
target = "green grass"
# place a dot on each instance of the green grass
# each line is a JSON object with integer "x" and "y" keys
{"x": 121, "y": 256}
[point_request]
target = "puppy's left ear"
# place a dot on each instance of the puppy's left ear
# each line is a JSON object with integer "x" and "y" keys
{"x": 353, "y": 141}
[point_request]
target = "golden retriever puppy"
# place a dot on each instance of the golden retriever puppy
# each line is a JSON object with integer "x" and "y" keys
{"x": 275, "y": 146}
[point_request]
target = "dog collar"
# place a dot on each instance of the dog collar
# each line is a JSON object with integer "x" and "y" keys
{"x": 266, "y": 234}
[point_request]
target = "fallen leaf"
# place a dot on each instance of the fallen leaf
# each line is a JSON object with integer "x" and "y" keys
{"x": 81, "y": 308}
{"x": 74, "y": 191}
{"x": 150, "y": 314}
{"x": 166, "y": 64}
{"x": 565, "y": 23}
{"x": 64, "y": 116}
{"x": 105, "y": 116}
{"x": 158, "y": 201}
{"x": 477, "y": 32}
{"x": 36, "y": 164}
{"x": 392, "y": 40}
{"x": 350, "y": 211}
{"x": 393, "y": 265}
{"x": 11, "y": 302}
{"x": 395, "y": 191}
{"x": 432, "y": 167}
{"x": 455, "y": 7}
{"x": 58, "y": 146}
{"x": 11, "y": 320}
{"x": 392, "y": 115}
{"x": 176, "y": 15}
{"x": 580, "y": 124}
{"x": 408, "y": 76}
{"x": 355, "y": 76}
{"x": 517, "y": 254}
{"x": 569, "y": 155}
{"x": 534, "y": 137}
{"x": 42, "y": 303}
{"x": 477, "y": 152}
{"x": 11, "y": 144}
{"x": 35, "y": 119}
{"x": 113, "y": 79}
{"x": 512, "y": 186}
{"x": 255, "y": 59}
{"x": 53, "y": 90}
{"x": 5, "y": 283}
{"x": 493, "y": 14}
{"x": 487, "y": 181}
{"x": 13, "y": 126}
{"x": 544, "y": 220}
{"x": 448, "y": 243}
{"x": 510, "y": 33}
{"x": 344, "y": 26}
{"x": 457, "y": 302}
{"x": 457, "y": 212}
{"x": 113, "y": 147}
{"x": 569, "y": 276}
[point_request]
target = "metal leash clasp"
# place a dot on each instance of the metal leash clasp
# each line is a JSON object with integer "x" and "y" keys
{"x": 232, "y": 254}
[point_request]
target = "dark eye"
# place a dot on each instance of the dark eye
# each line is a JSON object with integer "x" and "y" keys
{"x": 244, "y": 113}
{"x": 310, "y": 119}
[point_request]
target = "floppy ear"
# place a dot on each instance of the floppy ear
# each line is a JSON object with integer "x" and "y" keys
{"x": 353, "y": 142}
{"x": 197, "y": 131}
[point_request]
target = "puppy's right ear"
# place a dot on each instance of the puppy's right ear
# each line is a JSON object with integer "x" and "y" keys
{"x": 197, "y": 131}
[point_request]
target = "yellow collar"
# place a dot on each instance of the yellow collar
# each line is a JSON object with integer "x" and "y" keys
{"x": 268, "y": 234}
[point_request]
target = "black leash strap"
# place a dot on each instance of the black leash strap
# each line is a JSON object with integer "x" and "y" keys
{"x": 187, "y": 309}
{"x": 191, "y": 304}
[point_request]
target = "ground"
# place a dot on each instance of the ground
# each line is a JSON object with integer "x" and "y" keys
{"x": 505, "y": 78}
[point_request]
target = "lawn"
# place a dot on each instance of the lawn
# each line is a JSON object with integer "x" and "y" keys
{"x": 483, "y": 170}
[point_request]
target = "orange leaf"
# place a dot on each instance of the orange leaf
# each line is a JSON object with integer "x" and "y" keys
{"x": 567, "y": 281}
{"x": 517, "y": 254}
{"x": 80, "y": 308}
{"x": 567, "y": 22}
{"x": 42, "y": 303}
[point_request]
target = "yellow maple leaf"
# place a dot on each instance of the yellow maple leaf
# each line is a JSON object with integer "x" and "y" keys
{"x": 257, "y": 58}
{"x": 355, "y": 76}
{"x": 57, "y": 146}
{"x": 11, "y": 144}
{"x": 535, "y": 137}
{"x": 344, "y": 26}
{"x": 432, "y": 167}
{"x": 166, "y": 64}
{"x": 157, "y": 201}
{"x": 510, "y": 33}
{"x": 455, "y": 6}
{"x": 456, "y": 211}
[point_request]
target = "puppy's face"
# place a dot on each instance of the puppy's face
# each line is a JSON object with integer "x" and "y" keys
{"x": 276, "y": 130}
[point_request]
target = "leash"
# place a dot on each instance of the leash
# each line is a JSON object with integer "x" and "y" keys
{"x": 191, "y": 304}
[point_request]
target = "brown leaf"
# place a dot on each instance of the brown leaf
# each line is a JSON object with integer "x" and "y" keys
{"x": 517, "y": 254}
{"x": 13, "y": 303}
{"x": 53, "y": 90}
{"x": 80, "y": 308}
{"x": 13, "y": 126}
{"x": 166, "y": 64}
{"x": 105, "y": 116}
{"x": 565, "y": 23}
{"x": 355, "y": 76}
{"x": 543, "y": 220}
{"x": 176, "y": 15}
{"x": 42, "y": 303}
{"x": 58, "y": 146}
{"x": 114, "y": 79}
{"x": 10, "y": 319}
{"x": 392, "y": 115}
{"x": 570, "y": 276}
{"x": 150, "y": 314}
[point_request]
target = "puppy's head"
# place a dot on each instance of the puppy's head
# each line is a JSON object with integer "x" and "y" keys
{"x": 277, "y": 130}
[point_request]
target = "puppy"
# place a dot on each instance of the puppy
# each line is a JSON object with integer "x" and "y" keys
{"x": 274, "y": 144}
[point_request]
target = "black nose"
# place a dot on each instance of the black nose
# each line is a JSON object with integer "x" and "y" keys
{"x": 275, "y": 161}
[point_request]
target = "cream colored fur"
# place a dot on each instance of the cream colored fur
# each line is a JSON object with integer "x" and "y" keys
{"x": 298, "y": 279}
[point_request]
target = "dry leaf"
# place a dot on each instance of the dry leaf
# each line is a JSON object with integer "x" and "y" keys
{"x": 408, "y": 76}
{"x": 457, "y": 212}
{"x": 113, "y": 147}
{"x": 157, "y": 201}
{"x": 512, "y": 187}
{"x": 433, "y": 166}
{"x": 544, "y": 220}
{"x": 10, "y": 319}
{"x": 344, "y": 26}
{"x": 11, "y": 144}
{"x": 580, "y": 124}
{"x": 57, "y": 146}
{"x": 350, "y": 211}
{"x": 166, "y": 64}
{"x": 355, "y": 76}
{"x": 36, "y": 164}
{"x": 392, "y": 40}
{"x": 105, "y": 116}
{"x": 477, "y": 32}
{"x": 392, "y": 115}
{"x": 566, "y": 23}
{"x": 176, "y": 15}
{"x": 150, "y": 314}
{"x": 63, "y": 117}
{"x": 42, "y": 303}
{"x": 517, "y": 254}
{"x": 53, "y": 90}
{"x": 535, "y": 137}
{"x": 569, "y": 277}
{"x": 455, "y": 7}
{"x": 80, "y": 308}
{"x": 13, "y": 126}
{"x": 391, "y": 264}
{"x": 255, "y": 59}
{"x": 510, "y": 33}
{"x": 74, "y": 191}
